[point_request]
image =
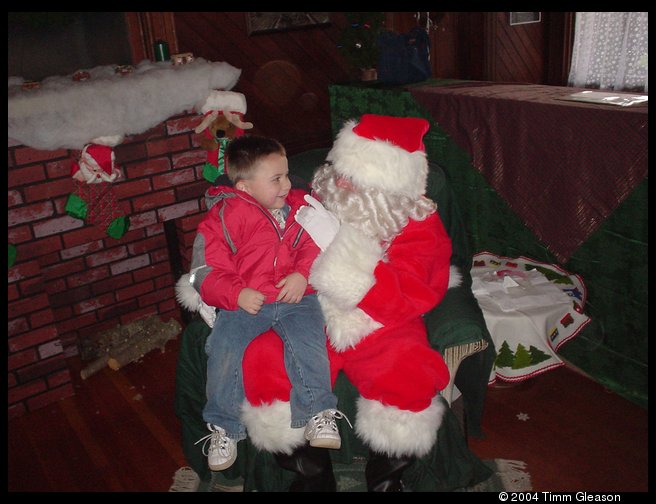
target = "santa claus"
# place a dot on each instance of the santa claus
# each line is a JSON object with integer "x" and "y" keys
{"x": 384, "y": 264}
{"x": 97, "y": 162}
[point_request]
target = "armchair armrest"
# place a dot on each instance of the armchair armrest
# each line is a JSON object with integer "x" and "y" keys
{"x": 453, "y": 356}
{"x": 456, "y": 320}
{"x": 456, "y": 328}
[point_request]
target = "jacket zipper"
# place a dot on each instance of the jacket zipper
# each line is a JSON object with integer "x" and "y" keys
{"x": 273, "y": 221}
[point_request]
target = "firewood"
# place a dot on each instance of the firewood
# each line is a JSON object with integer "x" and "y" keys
{"x": 131, "y": 342}
{"x": 154, "y": 335}
{"x": 94, "y": 367}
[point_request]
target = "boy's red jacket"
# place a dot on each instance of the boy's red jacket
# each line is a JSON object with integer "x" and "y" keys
{"x": 243, "y": 246}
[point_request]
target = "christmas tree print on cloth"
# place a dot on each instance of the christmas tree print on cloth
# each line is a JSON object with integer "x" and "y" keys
{"x": 530, "y": 308}
{"x": 519, "y": 359}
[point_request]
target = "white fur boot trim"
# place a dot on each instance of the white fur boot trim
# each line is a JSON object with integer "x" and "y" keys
{"x": 269, "y": 428}
{"x": 344, "y": 272}
{"x": 397, "y": 432}
{"x": 186, "y": 295}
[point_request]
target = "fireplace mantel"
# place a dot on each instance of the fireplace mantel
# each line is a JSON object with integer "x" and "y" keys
{"x": 63, "y": 113}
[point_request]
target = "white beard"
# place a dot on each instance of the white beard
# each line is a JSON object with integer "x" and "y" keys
{"x": 379, "y": 215}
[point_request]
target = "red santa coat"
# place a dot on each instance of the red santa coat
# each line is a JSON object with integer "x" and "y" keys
{"x": 373, "y": 298}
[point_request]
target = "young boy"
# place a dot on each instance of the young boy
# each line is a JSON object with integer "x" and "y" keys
{"x": 257, "y": 260}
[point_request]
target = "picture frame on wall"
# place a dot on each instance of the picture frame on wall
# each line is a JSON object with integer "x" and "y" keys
{"x": 268, "y": 22}
{"x": 520, "y": 18}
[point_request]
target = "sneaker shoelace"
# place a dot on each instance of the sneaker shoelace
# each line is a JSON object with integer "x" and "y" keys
{"x": 328, "y": 419}
{"x": 214, "y": 440}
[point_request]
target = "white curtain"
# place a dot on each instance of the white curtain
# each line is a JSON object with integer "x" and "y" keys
{"x": 610, "y": 51}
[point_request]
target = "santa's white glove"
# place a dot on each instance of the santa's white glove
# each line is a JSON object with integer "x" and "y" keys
{"x": 207, "y": 313}
{"x": 321, "y": 224}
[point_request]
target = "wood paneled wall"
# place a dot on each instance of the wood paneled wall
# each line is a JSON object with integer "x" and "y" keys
{"x": 514, "y": 53}
{"x": 285, "y": 75}
{"x": 484, "y": 46}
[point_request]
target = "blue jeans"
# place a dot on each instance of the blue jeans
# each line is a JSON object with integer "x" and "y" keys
{"x": 301, "y": 328}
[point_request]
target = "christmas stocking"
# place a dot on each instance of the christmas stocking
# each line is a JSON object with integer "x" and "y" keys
{"x": 93, "y": 199}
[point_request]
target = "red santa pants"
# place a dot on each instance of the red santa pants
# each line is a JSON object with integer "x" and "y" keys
{"x": 395, "y": 366}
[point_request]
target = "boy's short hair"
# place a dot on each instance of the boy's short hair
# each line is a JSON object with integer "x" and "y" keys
{"x": 245, "y": 151}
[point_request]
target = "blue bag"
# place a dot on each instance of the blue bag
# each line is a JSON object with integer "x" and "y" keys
{"x": 404, "y": 58}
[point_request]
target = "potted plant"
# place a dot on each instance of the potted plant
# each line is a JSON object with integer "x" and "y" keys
{"x": 359, "y": 41}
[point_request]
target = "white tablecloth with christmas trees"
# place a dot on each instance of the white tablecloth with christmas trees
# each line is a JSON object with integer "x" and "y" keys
{"x": 531, "y": 308}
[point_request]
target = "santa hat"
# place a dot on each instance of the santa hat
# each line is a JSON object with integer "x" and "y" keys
{"x": 228, "y": 103}
{"x": 95, "y": 165}
{"x": 383, "y": 152}
{"x": 225, "y": 100}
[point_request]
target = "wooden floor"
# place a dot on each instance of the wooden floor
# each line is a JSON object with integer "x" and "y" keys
{"x": 573, "y": 434}
{"x": 119, "y": 433}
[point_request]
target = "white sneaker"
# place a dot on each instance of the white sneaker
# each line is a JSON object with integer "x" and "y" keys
{"x": 321, "y": 431}
{"x": 222, "y": 450}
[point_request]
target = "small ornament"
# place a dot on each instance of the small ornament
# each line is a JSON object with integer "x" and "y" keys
{"x": 123, "y": 70}
{"x": 81, "y": 75}
{"x": 182, "y": 58}
{"x": 27, "y": 85}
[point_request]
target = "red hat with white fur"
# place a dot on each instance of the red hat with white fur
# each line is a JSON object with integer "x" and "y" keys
{"x": 383, "y": 152}
{"x": 228, "y": 103}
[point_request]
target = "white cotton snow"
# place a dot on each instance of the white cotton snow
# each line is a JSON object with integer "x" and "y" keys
{"x": 65, "y": 114}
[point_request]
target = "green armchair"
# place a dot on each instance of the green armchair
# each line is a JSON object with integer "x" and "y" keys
{"x": 456, "y": 328}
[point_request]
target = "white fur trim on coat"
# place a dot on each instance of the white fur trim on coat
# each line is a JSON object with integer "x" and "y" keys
{"x": 378, "y": 164}
{"x": 186, "y": 295}
{"x": 269, "y": 427}
{"x": 342, "y": 275}
{"x": 344, "y": 272}
{"x": 346, "y": 328}
{"x": 397, "y": 432}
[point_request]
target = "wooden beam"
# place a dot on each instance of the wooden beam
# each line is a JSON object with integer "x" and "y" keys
{"x": 144, "y": 28}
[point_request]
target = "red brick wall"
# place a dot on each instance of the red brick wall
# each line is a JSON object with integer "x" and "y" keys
{"x": 71, "y": 280}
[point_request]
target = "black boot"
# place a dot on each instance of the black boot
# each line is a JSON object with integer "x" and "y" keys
{"x": 313, "y": 467}
{"x": 383, "y": 473}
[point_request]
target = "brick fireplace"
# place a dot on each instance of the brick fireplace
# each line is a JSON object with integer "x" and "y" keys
{"x": 70, "y": 280}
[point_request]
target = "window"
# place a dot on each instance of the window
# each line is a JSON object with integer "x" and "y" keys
{"x": 610, "y": 51}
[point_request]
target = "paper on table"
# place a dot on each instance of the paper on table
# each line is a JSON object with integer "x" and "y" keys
{"x": 605, "y": 98}
{"x": 519, "y": 290}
